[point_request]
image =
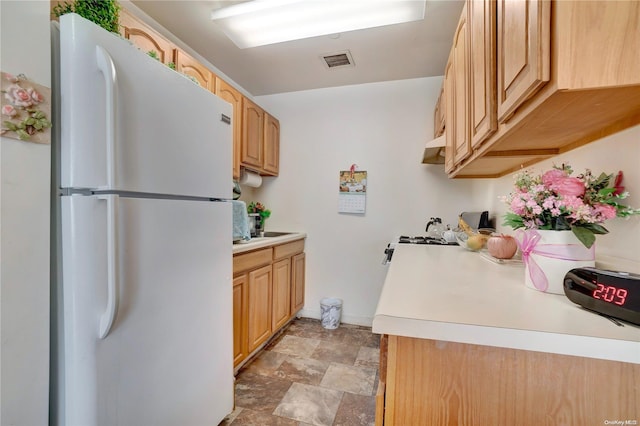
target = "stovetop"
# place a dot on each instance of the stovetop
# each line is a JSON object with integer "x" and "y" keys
{"x": 424, "y": 240}
{"x": 403, "y": 239}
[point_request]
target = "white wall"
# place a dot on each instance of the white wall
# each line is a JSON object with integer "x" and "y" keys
{"x": 382, "y": 127}
{"x": 24, "y": 228}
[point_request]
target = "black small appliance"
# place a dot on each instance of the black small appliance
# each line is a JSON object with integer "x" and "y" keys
{"x": 614, "y": 294}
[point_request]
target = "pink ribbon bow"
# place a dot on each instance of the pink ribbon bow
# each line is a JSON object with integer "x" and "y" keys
{"x": 528, "y": 242}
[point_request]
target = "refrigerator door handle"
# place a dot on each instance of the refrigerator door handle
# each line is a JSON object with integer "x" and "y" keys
{"x": 109, "y": 315}
{"x": 108, "y": 69}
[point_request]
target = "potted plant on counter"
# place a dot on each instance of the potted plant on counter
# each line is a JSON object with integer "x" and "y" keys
{"x": 257, "y": 208}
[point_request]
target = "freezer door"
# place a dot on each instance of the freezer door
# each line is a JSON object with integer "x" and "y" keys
{"x": 131, "y": 123}
{"x": 166, "y": 359}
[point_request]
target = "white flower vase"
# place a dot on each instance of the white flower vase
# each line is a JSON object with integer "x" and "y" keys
{"x": 549, "y": 255}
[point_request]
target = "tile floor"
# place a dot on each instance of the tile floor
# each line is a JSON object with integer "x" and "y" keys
{"x": 310, "y": 376}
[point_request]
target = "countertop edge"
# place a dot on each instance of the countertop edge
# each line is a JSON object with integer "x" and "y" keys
{"x": 257, "y": 243}
{"x": 537, "y": 341}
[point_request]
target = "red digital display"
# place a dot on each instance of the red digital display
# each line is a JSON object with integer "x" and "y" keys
{"x": 611, "y": 294}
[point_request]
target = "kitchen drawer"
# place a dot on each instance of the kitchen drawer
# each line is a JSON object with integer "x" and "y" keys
{"x": 252, "y": 260}
{"x": 288, "y": 249}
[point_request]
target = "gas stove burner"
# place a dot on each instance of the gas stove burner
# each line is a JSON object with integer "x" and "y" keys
{"x": 423, "y": 240}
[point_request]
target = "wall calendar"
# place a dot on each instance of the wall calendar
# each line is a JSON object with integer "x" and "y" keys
{"x": 352, "y": 197}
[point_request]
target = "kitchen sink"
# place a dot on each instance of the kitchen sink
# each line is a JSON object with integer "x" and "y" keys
{"x": 276, "y": 234}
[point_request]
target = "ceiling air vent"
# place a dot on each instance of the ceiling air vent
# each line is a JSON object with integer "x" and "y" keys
{"x": 338, "y": 59}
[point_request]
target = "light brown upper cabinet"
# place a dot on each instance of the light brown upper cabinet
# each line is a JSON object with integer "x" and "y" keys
{"x": 482, "y": 70}
{"x": 252, "y": 135}
{"x": 260, "y": 148}
{"x": 189, "y": 66}
{"x": 271, "y": 155}
{"x": 145, "y": 38}
{"x": 460, "y": 121}
{"x": 233, "y": 96}
{"x": 567, "y": 73}
{"x": 523, "y": 52}
{"x": 438, "y": 115}
{"x": 449, "y": 114}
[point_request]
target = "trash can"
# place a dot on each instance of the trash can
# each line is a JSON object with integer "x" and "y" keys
{"x": 330, "y": 311}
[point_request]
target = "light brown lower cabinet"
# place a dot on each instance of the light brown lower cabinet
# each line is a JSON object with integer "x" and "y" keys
{"x": 297, "y": 282}
{"x": 240, "y": 300}
{"x": 281, "y": 293}
{"x": 268, "y": 291}
{"x": 428, "y": 382}
{"x": 259, "y": 306}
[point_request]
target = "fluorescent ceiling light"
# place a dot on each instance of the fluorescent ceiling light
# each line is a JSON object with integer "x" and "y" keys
{"x": 261, "y": 22}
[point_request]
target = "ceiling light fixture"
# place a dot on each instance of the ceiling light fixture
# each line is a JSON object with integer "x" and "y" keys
{"x": 261, "y": 22}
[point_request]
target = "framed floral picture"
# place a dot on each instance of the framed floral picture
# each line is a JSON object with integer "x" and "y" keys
{"x": 26, "y": 109}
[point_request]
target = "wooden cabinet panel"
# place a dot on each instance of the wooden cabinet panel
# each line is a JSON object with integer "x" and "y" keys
{"x": 298, "y": 264}
{"x": 281, "y": 293}
{"x": 144, "y": 38}
{"x": 380, "y": 404}
{"x": 450, "y": 117}
{"x": 524, "y": 52}
{"x": 445, "y": 383}
{"x": 288, "y": 249}
{"x": 253, "y": 259}
{"x": 603, "y": 60}
{"x": 240, "y": 299}
{"x": 461, "y": 145}
{"x": 482, "y": 70}
{"x": 233, "y": 96}
{"x": 268, "y": 290}
{"x": 259, "y": 306}
{"x": 438, "y": 115}
{"x": 563, "y": 78}
{"x": 271, "y": 145}
{"x": 189, "y": 66}
{"x": 252, "y": 134}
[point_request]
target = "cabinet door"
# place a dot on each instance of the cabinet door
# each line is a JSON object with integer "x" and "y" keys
{"x": 233, "y": 96}
{"x": 438, "y": 116}
{"x": 449, "y": 115}
{"x": 461, "y": 145}
{"x": 482, "y": 70}
{"x": 524, "y": 52}
{"x": 259, "y": 306}
{"x": 252, "y": 134}
{"x": 240, "y": 299}
{"x": 189, "y": 66}
{"x": 271, "y": 144}
{"x": 297, "y": 282}
{"x": 281, "y": 293}
{"x": 144, "y": 38}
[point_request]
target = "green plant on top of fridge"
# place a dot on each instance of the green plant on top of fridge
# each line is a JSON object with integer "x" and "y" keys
{"x": 105, "y": 13}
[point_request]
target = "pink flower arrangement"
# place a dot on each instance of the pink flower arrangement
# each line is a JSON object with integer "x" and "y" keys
{"x": 556, "y": 200}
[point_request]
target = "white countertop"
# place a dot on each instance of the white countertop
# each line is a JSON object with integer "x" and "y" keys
{"x": 256, "y": 243}
{"x": 451, "y": 294}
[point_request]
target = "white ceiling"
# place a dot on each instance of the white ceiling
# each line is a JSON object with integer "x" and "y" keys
{"x": 394, "y": 52}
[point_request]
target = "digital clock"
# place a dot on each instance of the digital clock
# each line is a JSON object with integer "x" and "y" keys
{"x": 616, "y": 294}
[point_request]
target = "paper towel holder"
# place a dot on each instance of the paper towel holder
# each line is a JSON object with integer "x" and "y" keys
{"x": 250, "y": 178}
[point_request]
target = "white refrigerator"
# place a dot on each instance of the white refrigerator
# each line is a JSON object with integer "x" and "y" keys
{"x": 142, "y": 248}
